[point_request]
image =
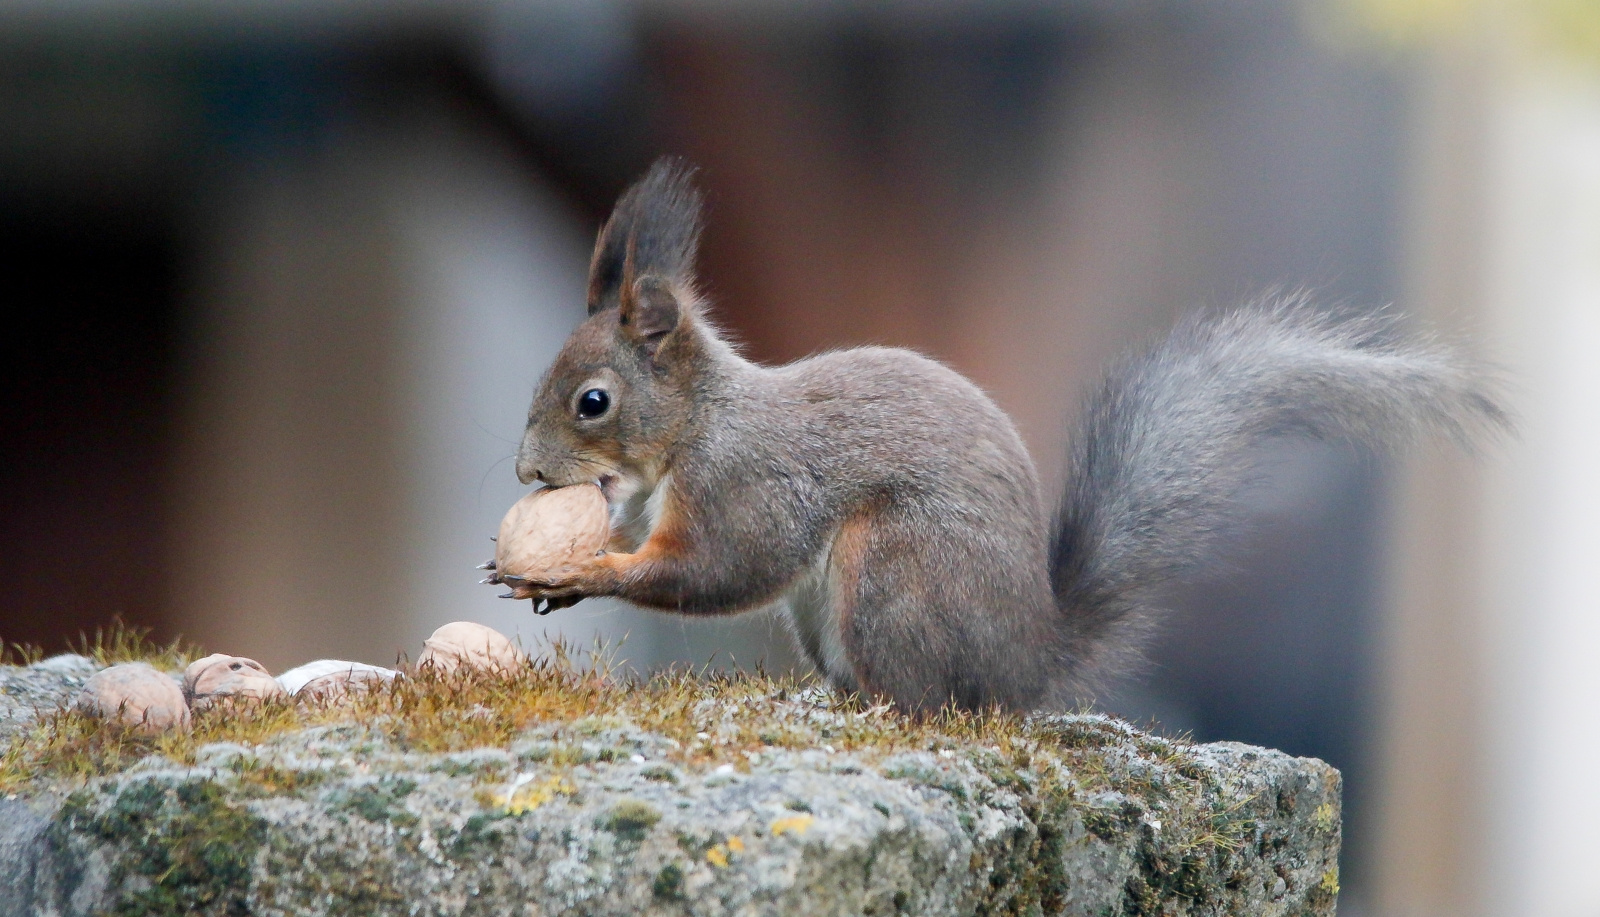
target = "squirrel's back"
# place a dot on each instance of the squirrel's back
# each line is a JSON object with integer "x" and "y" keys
{"x": 896, "y": 418}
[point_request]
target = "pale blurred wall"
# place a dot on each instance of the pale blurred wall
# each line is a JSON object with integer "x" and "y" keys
{"x": 373, "y": 313}
{"x": 1491, "y": 806}
{"x": 1541, "y": 574}
{"x": 373, "y": 316}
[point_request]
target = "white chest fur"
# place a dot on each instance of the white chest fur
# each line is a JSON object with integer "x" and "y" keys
{"x": 636, "y": 508}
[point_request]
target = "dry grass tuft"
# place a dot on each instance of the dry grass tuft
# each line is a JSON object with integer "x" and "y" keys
{"x": 713, "y": 718}
{"x": 118, "y": 642}
{"x": 122, "y": 643}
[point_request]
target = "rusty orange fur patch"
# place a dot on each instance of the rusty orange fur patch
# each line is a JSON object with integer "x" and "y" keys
{"x": 666, "y": 541}
{"x": 850, "y": 545}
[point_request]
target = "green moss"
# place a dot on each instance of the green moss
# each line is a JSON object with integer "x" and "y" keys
{"x": 695, "y": 845}
{"x": 631, "y": 819}
{"x": 482, "y": 831}
{"x": 927, "y": 777}
{"x": 1186, "y": 849}
{"x": 259, "y": 780}
{"x": 668, "y": 885}
{"x": 188, "y": 844}
{"x": 328, "y": 879}
{"x": 1045, "y": 880}
{"x": 456, "y": 767}
{"x": 1027, "y": 876}
{"x": 1109, "y": 821}
{"x": 380, "y": 801}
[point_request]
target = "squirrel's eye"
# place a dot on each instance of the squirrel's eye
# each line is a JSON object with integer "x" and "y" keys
{"x": 593, "y": 403}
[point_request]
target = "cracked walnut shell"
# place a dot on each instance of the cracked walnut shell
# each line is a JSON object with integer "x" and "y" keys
{"x": 220, "y": 675}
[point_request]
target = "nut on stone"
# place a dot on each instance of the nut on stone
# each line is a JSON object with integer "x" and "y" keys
{"x": 551, "y": 531}
{"x": 333, "y": 678}
{"x": 135, "y": 695}
{"x": 465, "y": 643}
{"x": 220, "y": 675}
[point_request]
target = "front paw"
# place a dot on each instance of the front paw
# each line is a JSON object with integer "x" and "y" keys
{"x": 545, "y": 606}
{"x": 546, "y": 596}
{"x": 493, "y": 579}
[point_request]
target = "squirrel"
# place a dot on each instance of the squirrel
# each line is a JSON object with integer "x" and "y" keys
{"x": 891, "y": 509}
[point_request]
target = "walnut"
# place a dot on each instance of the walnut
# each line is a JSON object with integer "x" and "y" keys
{"x": 475, "y": 646}
{"x": 135, "y": 695}
{"x": 551, "y": 531}
{"x": 332, "y": 678}
{"x": 220, "y": 675}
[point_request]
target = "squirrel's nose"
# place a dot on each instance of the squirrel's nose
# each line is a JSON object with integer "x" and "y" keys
{"x": 528, "y": 475}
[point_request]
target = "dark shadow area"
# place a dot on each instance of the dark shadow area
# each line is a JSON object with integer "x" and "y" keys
{"x": 85, "y": 424}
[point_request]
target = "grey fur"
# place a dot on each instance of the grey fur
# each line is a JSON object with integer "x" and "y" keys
{"x": 1165, "y": 443}
{"x": 892, "y": 508}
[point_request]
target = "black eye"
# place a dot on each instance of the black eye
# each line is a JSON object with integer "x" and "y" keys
{"x": 593, "y": 403}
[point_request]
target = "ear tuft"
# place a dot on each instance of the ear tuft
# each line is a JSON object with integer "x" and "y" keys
{"x": 656, "y": 227}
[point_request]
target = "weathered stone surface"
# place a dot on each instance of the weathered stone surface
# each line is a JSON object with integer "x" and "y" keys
{"x": 25, "y": 693}
{"x": 598, "y": 816}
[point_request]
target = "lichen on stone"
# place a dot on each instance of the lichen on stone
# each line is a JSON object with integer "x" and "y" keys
{"x": 177, "y": 847}
{"x": 560, "y": 789}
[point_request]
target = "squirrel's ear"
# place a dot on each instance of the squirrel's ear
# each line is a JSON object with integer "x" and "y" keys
{"x": 650, "y": 311}
{"x": 656, "y": 226}
{"x": 605, "y": 269}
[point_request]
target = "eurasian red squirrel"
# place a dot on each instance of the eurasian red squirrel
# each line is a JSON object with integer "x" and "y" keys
{"x": 891, "y": 508}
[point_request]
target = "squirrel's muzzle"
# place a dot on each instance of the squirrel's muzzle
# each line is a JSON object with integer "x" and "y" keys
{"x": 529, "y": 467}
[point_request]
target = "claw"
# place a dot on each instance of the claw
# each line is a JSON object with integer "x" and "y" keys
{"x": 542, "y": 607}
{"x": 508, "y": 595}
{"x": 494, "y": 538}
{"x": 513, "y": 579}
{"x": 490, "y": 580}
{"x": 486, "y": 565}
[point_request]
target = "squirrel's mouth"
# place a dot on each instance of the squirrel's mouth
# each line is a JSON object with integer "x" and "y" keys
{"x": 607, "y": 484}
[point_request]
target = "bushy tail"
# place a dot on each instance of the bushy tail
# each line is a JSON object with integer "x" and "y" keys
{"x": 1164, "y": 447}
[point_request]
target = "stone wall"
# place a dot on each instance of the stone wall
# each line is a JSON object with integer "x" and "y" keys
{"x": 596, "y": 815}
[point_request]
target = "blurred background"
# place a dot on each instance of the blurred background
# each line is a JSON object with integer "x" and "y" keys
{"x": 283, "y": 275}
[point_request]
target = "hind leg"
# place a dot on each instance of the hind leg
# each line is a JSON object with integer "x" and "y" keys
{"x": 932, "y": 614}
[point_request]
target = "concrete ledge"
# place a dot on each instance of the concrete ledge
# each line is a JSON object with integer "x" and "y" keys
{"x": 1076, "y": 815}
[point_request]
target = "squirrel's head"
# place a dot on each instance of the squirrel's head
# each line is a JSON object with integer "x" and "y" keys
{"x": 619, "y": 395}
